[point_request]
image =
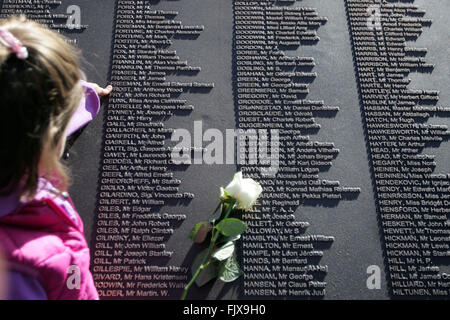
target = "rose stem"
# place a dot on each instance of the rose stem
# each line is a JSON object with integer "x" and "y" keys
{"x": 205, "y": 258}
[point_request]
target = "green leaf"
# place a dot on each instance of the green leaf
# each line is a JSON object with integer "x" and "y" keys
{"x": 229, "y": 201}
{"x": 225, "y": 197}
{"x": 231, "y": 227}
{"x": 224, "y": 252}
{"x": 224, "y": 194}
{"x": 216, "y": 215}
{"x": 230, "y": 271}
{"x": 210, "y": 272}
{"x": 199, "y": 232}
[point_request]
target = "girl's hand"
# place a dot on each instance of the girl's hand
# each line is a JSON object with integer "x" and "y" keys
{"x": 101, "y": 91}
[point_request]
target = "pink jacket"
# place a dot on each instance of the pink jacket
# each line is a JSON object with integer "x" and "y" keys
{"x": 44, "y": 238}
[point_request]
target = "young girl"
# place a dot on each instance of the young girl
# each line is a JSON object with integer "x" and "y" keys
{"x": 43, "y": 99}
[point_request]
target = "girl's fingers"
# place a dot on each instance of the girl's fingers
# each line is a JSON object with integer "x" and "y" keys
{"x": 102, "y": 91}
{"x": 105, "y": 91}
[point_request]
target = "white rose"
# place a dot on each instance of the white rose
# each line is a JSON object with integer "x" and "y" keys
{"x": 245, "y": 191}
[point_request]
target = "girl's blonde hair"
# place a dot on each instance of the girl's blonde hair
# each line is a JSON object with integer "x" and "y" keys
{"x": 38, "y": 96}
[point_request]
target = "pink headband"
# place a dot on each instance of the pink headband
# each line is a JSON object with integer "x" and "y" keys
{"x": 8, "y": 40}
